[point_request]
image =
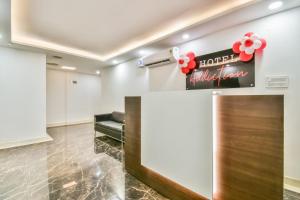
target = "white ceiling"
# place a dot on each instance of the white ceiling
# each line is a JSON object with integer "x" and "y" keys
{"x": 102, "y": 26}
{"x": 90, "y": 34}
{"x": 104, "y": 29}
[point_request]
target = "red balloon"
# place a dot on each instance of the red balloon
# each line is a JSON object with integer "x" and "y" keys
{"x": 180, "y": 61}
{"x": 263, "y": 44}
{"x": 245, "y": 57}
{"x": 185, "y": 70}
{"x": 249, "y": 34}
{"x": 236, "y": 47}
{"x": 191, "y": 55}
{"x": 192, "y": 64}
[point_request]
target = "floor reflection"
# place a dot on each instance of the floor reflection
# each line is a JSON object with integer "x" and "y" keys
{"x": 74, "y": 166}
{"x": 111, "y": 147}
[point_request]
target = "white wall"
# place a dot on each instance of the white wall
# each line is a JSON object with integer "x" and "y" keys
{"x": 22, "y": 95}
{"x": 119, "y": 81}
{"x": 280, "y": 57}
{"x": 69, "y": 103}
{"x": 56, "y": 97}
{"x": 177, "y": 139}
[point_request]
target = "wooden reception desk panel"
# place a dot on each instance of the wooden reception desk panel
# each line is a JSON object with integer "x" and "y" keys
{"x": 133, "y": 165}
{"x": 250, "y": 147}
{"x": 249, "y": 153}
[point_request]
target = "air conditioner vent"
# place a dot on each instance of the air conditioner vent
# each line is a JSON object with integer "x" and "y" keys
{"x": 161, "y": 62}
{"x": 161, "y": 58}
{"x": 52, "y": 64}
{"x": 57, "y": 57}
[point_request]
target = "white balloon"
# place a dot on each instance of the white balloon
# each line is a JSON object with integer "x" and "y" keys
{"x": 249, "y": 50}
{"x": 176, "y": 54}
{"x": 254, "y": 37}
{"x": 242, "y": 47}
{"x": 244, "y": 39}
{"x": 257, "y": 44}
{"x": 186, "y": 59}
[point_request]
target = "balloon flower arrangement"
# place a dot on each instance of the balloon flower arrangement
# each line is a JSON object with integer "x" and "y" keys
{"x": 248, "y": 45}
{"x": 245, "y": 47}
{"x": 187, "y": 62}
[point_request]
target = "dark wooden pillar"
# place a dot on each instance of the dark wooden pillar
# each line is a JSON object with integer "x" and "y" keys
{"x": 132, "y": 146}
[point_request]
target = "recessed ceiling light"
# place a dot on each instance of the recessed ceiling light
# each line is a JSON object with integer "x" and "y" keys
{"x": 146, "y": 52}
{"x": 98, "y": 72}
{"x": 115, "y": 62}
{"x": 142, "y": 52}
{"x": 275, "y": 5}
{"x": 1, "y": 36}
{"x": 185, "y": 36}
{"x": 68, "y": 68}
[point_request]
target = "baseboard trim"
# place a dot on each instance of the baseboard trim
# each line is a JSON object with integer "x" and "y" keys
{"x": 292, "y": 184}
{"x": 12, "y": 144}
{"x": 58, "y": 124}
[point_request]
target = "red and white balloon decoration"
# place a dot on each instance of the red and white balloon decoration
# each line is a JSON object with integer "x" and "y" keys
{"x": 247, "y": 46}
{"x": 187, "y": 62}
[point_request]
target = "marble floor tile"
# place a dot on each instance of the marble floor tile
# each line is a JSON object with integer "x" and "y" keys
{"x": 289, "y": 195}
{"x": 108, "y": 146}
{"x": 74, "y": 166}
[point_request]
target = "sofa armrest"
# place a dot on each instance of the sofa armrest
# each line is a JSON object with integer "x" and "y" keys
{"x": 102, "y": 117}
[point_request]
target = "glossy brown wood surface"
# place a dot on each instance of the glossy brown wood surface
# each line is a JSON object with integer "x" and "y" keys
{"x": 132, "y": 148}
{"x": 250, "y": 147}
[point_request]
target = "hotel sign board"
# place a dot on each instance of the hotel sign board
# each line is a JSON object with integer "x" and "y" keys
{"x": 221, "y": 69}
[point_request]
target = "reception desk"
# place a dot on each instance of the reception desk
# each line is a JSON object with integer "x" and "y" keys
{"x": 195, "y": 145}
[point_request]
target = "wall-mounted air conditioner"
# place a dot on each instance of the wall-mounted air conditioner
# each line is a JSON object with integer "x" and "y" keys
{"x": 161, "y": 58}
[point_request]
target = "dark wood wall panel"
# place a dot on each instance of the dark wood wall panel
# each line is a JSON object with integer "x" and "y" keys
{"x": 133, "y": 165}
{"x": 132, "y": 145}
{"x": 250, "y": 148}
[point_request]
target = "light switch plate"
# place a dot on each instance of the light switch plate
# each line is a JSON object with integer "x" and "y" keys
{"x": 277, "y": 81}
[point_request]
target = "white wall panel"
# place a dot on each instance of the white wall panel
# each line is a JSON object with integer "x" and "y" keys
{"x": 177, "y": 137}
{"x": 72, "y": 97}
{"x": 22, "y": 95}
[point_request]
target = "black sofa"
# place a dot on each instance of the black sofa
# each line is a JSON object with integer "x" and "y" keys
{"x": 111, "y": 124}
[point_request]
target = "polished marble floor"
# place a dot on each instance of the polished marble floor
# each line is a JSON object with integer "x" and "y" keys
{"x": 289, "y": 195}
{"x": 74, "y": 166}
